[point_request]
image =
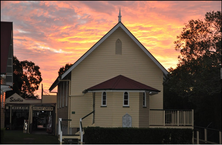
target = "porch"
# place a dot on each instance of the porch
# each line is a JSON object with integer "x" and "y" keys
{"x": 159, "y": 118}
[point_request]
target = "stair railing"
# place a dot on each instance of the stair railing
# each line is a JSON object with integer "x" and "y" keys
{"x": 80, "y": 126}
{"x": 60, "y": 128}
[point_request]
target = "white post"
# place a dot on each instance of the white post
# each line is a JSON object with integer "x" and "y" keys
{"x": 81, "y": 133}
{"x": 193, "y": 137}
{"x": 220, "y": 142}
{"x": 184, "y": 118}
{"x": 178, "y": 113}
{"x": 163, "y": 117}
{"x": 60, "y": 131}
{"x": 205, "y": 135}
{"x": 197, "y": 137}
{"x": 60, "y": 137}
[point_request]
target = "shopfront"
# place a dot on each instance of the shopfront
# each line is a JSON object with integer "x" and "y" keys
{"x": 38, "y": 114}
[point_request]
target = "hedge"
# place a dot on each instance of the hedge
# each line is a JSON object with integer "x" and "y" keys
{"x": 2, "y": 133}
{"x": 136, "y": 135}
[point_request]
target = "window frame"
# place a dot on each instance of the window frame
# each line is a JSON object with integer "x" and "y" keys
{"x": 124, "y": 99}
{"x": 144, "y": 99}
{"x": 67, "y": 92}
{"x": 103, "y": 100}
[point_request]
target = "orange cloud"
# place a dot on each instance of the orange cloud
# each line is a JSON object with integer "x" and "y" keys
{"x": 52, "y": 34}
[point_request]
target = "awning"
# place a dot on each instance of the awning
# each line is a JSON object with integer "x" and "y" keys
{"x": 120, "y": 83}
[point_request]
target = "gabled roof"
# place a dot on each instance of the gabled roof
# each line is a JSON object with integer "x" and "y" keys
{"x": 121, "y": 83}
{"x": 6, "y": 32}
{"x": 118, "y": 25}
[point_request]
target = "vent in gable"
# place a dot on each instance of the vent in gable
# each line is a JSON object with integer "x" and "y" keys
{"x": 118, "y": 46}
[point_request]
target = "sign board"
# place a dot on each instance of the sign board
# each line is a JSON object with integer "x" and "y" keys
{"x": 16, "y": 99}
{"x": 43, "y": 108}
{"x": 12, "y": 99}
{"x": 18, "y": 107}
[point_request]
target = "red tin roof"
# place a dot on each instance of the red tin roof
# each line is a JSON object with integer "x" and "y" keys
{"x": 6, "y": 32}
{"x": 120, "y": 83}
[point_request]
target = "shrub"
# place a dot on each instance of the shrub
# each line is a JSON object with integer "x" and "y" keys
{"x": 136, "y": 135}
{"x": 2, "y": 133}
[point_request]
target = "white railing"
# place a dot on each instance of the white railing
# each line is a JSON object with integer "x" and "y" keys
{"x": 60, "y": 130}
{"x": 159, "y": 117}
{"x": 81, "y": 128}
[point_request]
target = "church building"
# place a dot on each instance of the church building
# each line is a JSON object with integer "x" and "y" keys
{"x": 116, "y": 83}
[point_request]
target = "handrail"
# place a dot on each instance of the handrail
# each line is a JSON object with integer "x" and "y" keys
{"x": 206, "y": 128}
{"x": 80, "y": 126}
{"x": 87, "y": 115}
{"x": 60, "y": 128}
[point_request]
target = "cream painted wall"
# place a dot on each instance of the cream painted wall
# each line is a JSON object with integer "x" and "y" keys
{"x": 81, "y": 105}
{"x": 49, "y": 98}
{"x": 103, "y": 64}
{"x": 143, "y": 111}
{"x": 111, "y": 116}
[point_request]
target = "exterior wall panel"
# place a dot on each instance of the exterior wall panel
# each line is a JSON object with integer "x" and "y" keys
{"x": 81, "y": 106}
{"x": 111, "y": 116}
{"x": 143, "y": 111}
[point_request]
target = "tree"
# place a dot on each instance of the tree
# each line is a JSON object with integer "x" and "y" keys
{"x": 63, "y": 69}
{"x": 26, "y": 78}
{"x": 197, "y": 76}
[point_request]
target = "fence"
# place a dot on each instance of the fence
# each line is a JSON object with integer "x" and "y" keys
{"x": 207, "y": 135}
{"x": 160, "y": 117}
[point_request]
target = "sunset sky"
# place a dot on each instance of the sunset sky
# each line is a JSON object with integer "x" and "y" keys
{"x": 51, "y": 34}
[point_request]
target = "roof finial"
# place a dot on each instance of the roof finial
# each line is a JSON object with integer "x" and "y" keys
{"x": 119, "y": 15}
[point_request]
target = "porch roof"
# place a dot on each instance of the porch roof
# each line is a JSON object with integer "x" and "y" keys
{"x": 120, "y": 82}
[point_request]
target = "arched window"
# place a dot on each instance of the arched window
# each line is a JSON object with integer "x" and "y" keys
{"x": 118, "y": 46}
{"x": 126, "y": 99}
{"x": 144, "y": 99}
{"x": 103, "y": 99}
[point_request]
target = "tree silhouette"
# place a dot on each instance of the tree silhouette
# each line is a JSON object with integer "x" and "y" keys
{"x": 197, "y": 76}
{"x": 26, "y": 78}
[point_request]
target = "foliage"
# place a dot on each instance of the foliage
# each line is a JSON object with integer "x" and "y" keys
{"x": 63, "y": 69}
{"x": 26, "y": 78}
{"x": 136, "y": 135}
{"x": 197, "y": 76}
{"x": 2, "y": 134}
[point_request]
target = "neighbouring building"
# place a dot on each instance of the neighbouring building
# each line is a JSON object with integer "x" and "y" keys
{"x": 6, "y": 64}
{"x": 34, "y": 111}
{"x": 116, "y": 83}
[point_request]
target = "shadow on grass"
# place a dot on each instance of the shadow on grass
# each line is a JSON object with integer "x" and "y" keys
{"x": 17, "y": 136}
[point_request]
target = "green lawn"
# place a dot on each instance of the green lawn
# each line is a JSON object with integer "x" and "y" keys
{"x": 17, "y": 136}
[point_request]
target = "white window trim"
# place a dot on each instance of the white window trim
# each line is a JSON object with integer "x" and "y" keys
{"x": 102, "y": 99}
{"x": 144, "y": 99}
{"x": 67, "y": 92}
{"x": 128, "y": 99}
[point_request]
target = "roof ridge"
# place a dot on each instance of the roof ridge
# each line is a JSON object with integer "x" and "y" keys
{"x": 117, "y": 81}
{"x": 133, "y": 81}
{"x": 134, "y": 39}
{"x": 121, "y": 82}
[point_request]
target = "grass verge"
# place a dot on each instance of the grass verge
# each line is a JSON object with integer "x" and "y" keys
{"x": 17, "y": 136}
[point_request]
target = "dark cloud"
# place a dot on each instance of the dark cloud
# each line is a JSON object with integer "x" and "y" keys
{"x": 98, "y": 6}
